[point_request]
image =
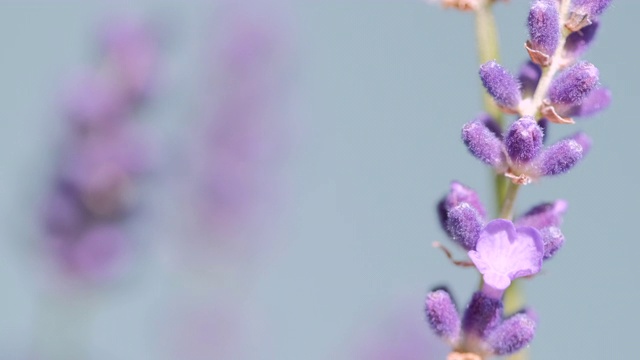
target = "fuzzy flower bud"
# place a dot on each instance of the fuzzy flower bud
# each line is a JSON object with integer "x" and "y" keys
{"x": 442, "y": 315}
{"x": 544, "y": 26}
{"x": 523, "y": 140}
{"x": 591, "y": 8}
{"x": 573, "y": 85}
{"x": 512, "y": 335}
{"x": 559, "y": 158}
{"x": 484, "y": 144}
{"x": 578, "y": 42}
{"x": 501, "y": 85}
{"x": 483, "y": 314}
{"x": 544, "y": 215}
{"x": 464, "y": 225}
{"x": 584, "y": 141}
{"x": 552, "y": 239}
{"x": 458, "y": 194}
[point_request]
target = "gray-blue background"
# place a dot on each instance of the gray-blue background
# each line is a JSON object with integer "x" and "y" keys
{"x": 380, "y": 91}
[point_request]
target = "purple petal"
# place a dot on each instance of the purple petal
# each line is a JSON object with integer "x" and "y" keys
{"x": 500, "y": 84}
{"x": 544, "y": 215}
{"x": 573, "y": 85}
{"x": 523, "y": 140}
{"x": 464, "y": 225}
{"x": 512, "y": 335}
{"x": 544, "y": 25}
{"x": 504, "y": 253}
{"x": 442, "y": 315}
{"x": 559, "y": 158}
{"x": 484, "y": 144}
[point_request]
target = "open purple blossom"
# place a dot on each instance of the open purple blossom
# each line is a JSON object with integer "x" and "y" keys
{"x": 520, "y": 155}
{"x": 501, "y": 85}
{"x": 504, "y": 253}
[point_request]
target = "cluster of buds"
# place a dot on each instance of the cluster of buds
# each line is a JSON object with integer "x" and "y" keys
{"x": 93, "y": 189}
{"x": 553, "y": 87}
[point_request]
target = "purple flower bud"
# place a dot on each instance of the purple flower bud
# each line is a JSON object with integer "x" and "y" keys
{"x": 553, "y": 239}
{"x": 500, "y": 84}
{"x": 584, "y": 141}
{"x": 523, "y": 140}
{"x": 544, "y": 26}
{"x": 483, "y": 314}
{"x": 590, "y": 8}
{"x": 490, "y": 123}
{"x": 458, "y": 194}
{"x": 559, "y": 158}
{"x": 464, "y": 225}
{"x": 529, "y": 76}
{"x": 579, "y": 41}
{"x": 574, "y": 84}
{"x": 597, "y": 100}
{"x": 442, "y": 315}
{"x": 544, "y": 215}
{"x": 484, "y": 144}
{"x": 504, "y": 253}
{"x": 512, "y": 335}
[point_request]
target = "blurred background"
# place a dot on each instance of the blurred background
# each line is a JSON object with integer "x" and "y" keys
{"x": 258, "y": 180}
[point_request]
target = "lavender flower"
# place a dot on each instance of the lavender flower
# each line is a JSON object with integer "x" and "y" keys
{"x": 442, "y": 315}
{"x": 573, "y": 85}
{"x": 484, "y": 331}
{"x": 544, "y": 30}
{"x": 504, "y": 253}
{"x": 464, "y": 225}
{"x": 520, "y": 155}
{"x": 459, "y": 194}
{"x": 501, "y": 85}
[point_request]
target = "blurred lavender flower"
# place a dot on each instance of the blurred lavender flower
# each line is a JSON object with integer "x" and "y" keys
{"x": 243, "y": 133}
{"x": 94, "y": 184}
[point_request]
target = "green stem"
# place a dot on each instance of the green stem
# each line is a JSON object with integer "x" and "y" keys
{"x": 506, "y": 211}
